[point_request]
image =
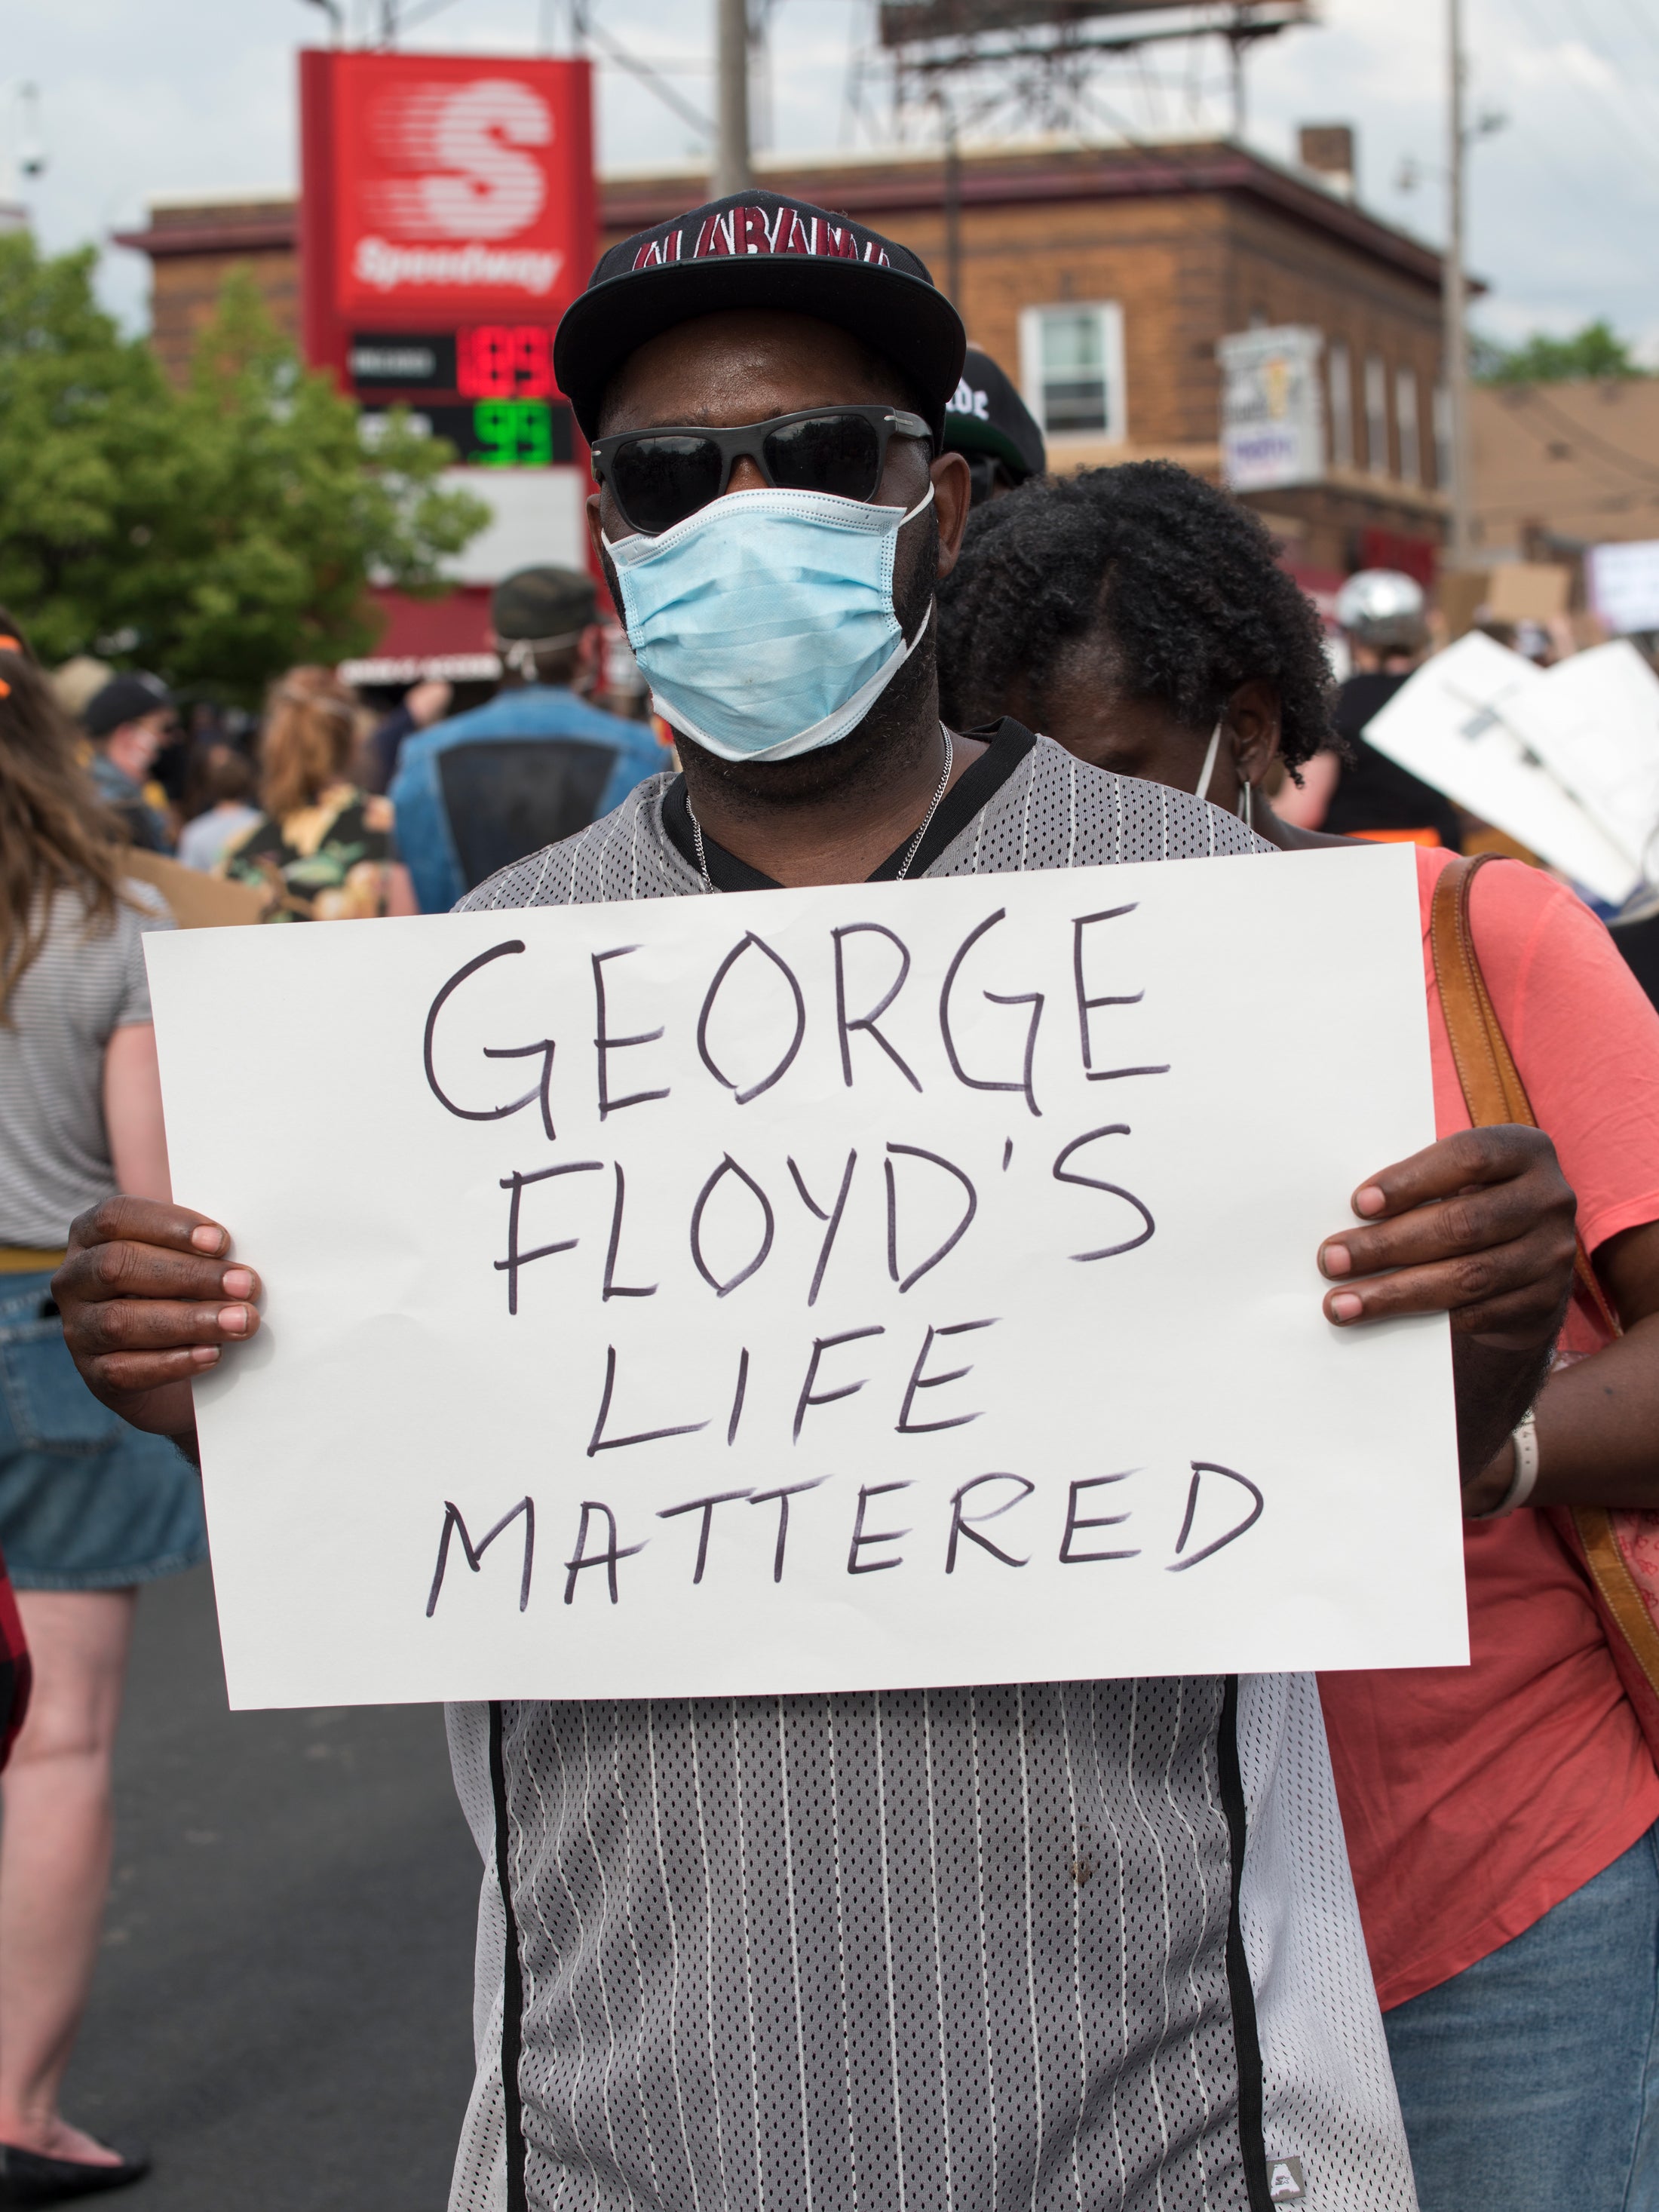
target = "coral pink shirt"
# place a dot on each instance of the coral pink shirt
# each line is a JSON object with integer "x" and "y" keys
{"x": 1476, "y": 1798}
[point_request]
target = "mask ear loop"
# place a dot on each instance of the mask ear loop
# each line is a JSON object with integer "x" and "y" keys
{"x": 1208, "y": 768}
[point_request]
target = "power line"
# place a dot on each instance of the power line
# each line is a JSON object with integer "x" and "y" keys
{"x": 1647, "y": 29}
{"x": 417, "y": 14}
{"x": 1601, "y": 448}
{"x": 1578, "y": 188}
{"x": 650, "y": 79}
{"x": 1644, "y": 150}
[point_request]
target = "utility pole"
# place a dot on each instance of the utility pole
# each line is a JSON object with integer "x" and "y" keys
{"x": 731, "y": 170}
{"x": 1456, "y": 344}
{"x": 952, "y": 201}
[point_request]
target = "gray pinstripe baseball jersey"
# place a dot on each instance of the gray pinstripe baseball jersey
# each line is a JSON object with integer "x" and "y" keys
{"x": 1081, "y": 1944}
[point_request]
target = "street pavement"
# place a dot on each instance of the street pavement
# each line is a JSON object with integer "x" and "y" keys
{"x": 283, "y": 2009}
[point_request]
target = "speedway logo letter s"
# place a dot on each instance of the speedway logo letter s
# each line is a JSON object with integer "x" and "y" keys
{"x": 461, "y": 154}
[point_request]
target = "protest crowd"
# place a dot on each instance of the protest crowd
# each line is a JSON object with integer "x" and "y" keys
{"x": 1360, "y": 1943}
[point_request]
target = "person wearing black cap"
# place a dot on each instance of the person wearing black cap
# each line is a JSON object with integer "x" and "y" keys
{"x": 1069, "y": 1945}
{"x": 535, "y": 763}
{"x": 128, "y": 721}
{"x": 986, "y": 419}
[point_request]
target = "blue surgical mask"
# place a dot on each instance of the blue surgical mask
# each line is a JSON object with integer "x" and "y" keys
{"x": 764, "y": 623}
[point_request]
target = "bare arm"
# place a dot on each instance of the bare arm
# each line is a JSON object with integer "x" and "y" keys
{"x": 132, "y": 1113}
{"x": 400, "y": 890}
{"x": 1598, "y": 1419}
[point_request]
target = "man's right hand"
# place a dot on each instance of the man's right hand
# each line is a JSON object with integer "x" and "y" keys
{"x": 148, "y": 1295}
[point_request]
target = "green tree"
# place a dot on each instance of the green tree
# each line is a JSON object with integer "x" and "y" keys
{"x": 217, "y": 534}
{"x": 1596, "y": 351}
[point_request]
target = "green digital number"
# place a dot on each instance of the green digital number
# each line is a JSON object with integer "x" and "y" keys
{"x": 495, "y": 427}
{"x": 535, "y": 433}
{"x": 513, "y": 433}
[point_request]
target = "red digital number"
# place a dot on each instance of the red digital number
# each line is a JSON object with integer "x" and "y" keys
{"x": 505, "y": 361}
{"x": 533, "y": 356}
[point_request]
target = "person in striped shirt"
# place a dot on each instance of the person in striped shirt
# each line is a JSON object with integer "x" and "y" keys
{"x": 1087, "y": 1944}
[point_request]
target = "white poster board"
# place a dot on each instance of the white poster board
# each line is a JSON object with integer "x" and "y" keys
{"x": 1456, "y": 723}
{"x": 1594, "y": 722}
{"x": 1623, "y": 583}
{"x": 1002, "y": 1361}
{"x": 1273, "y": 408}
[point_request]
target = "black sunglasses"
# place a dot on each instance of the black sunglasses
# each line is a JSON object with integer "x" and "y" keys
{"x": 658, "y": 477}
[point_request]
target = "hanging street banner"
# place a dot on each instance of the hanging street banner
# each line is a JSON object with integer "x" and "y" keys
{"x": 1273, "y": 409}
{"x": 875, "y": 1285}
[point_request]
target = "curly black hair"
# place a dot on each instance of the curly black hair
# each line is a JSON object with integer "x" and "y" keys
{"x": 1184, "y": 577}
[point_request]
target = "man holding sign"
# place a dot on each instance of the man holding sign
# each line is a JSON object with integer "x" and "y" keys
{"x": 1045, "y": 1942}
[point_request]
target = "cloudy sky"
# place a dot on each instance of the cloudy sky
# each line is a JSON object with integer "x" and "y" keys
{"x": 142, "y": 97}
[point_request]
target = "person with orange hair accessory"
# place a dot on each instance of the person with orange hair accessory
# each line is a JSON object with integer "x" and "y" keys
{"x": 85, "y": 1517}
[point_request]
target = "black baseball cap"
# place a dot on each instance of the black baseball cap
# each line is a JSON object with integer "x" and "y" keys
{"x": 125, "y": 698}
{"x": 986, "y": 414}
{"x": 542, "y": 602}
{"x": 758, "y": 249}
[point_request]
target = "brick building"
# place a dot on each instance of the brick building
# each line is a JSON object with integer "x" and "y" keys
{"x": 1561, "y": 467}
{"x": 1102, "y": 277}
{"x": 194, "y": 244}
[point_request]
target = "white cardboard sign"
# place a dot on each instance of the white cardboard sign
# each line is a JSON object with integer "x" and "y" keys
{"x": 1593, "y": 721}
{"x": 1456, "y": 725}
{"x": 877, "y": 1285}
{"x": 1624, "y": 584}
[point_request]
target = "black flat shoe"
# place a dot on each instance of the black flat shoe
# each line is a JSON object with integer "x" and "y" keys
{"x": 27, "y": 2178}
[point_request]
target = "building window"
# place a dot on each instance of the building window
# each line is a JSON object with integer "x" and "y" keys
{"x": 1070, "y": 364}
{"x": 1377, "y": 414}
{"x": 1339, "y": 375}
{"x": 1404, "y": 423}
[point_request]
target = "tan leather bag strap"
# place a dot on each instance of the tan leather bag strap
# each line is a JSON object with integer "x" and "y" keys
{"x": 1493, "y": 1092}
{"x": 1493, "y": 1089}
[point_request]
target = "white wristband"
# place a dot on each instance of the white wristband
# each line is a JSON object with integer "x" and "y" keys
{"x": 1524, "y": 1437}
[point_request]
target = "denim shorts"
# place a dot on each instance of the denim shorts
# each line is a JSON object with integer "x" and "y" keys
{"x": 86, "y": 1503}
{"x": 1530, "y": 2082}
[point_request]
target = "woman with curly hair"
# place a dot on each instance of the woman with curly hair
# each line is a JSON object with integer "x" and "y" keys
{"x": 1503, "y": 1818}
{"x": 1139, "y": 616}
{"x": 322, "y": 846}
{"x": 89, "y": 1508}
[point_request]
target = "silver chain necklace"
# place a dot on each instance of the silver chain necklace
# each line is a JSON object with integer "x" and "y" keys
{"x": 910, "y": 850}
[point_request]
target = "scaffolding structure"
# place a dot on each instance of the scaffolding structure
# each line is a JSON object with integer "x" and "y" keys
{"x": 961, "y": 67}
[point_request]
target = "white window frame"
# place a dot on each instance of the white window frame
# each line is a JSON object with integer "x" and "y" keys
{"x": 1110, "y": 313}
{"x": 1408, "y": 426}
{"x": 1339, "y": 392}
{"x": 1377, "y": 414}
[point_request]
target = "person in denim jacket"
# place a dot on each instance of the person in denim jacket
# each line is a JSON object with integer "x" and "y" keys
{"x": 478, "y": 792}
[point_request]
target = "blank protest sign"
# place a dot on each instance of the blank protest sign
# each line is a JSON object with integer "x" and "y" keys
{"x": 875, "y": 1285}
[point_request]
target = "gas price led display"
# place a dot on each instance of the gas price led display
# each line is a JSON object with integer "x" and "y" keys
{"x": 487, "y": 387}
